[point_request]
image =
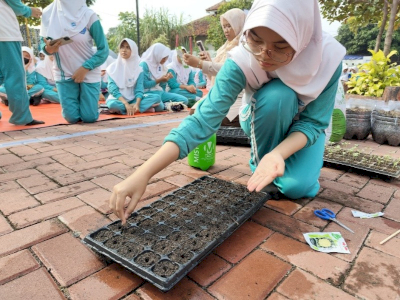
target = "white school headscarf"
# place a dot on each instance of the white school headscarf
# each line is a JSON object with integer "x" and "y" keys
{"x": 153, "y": 56}
{"x": 31, "y": 66}
{"x": 65, "y": 18}
{"x": 317, "y": 53}
{"x": 125, "y": 72}
{"x": 45, "y": 68}
{"x": 182, "y": 74}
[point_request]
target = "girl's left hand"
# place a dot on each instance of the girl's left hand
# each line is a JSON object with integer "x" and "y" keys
{"x": 79, "y": 75}
{"x": 272, "y": 165}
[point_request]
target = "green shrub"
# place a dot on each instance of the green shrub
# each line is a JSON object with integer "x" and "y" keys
{"x": 379, "y": 73}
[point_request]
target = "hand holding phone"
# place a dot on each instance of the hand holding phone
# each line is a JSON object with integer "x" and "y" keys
{"x": 200, "y": 45}
{"x": 64, "y": 40}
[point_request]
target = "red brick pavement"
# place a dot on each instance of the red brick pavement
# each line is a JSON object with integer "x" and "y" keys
{"x": 53, "y": 193}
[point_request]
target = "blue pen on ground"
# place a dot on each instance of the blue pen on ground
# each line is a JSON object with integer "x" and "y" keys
{"x": 327, "y": 214}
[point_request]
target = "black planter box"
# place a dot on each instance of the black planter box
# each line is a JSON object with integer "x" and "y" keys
{"x": 232, "y": 136}
{"x": 164, "y": 241}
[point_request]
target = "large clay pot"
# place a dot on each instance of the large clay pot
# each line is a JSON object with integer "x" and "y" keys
{"x": 386, "y": 129}
{"x": 358, "y": 124}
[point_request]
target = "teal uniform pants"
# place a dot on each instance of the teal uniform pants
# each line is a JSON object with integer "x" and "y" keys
{"x": 79, "y": 101}
{"x": 12, "y": 75}
{"x": 267, "y": 121}
{"x": 186, "y": 94}
{"x": 116, "y": 106}
{"x": 167, "y": 97}
{"x": 201, "y": 84}
{"x": 36, "y": 90}
{"x": 51, "y": 95}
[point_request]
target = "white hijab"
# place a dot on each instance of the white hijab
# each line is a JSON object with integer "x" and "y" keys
{"x": 31, "y": 66}
{"x": 153, "y": 56}
{"x": 45, "y": 68}
{"x": 317, "y": 53}
{"x": 65, "y": 18}
{"x": 182, "y": 74}
{"x": 125, "y": 72}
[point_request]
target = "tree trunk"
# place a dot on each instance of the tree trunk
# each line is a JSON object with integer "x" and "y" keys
{"x": 389, "y": 33}
{"x": 382, "y": 28}
{"x": 28, "y": 33}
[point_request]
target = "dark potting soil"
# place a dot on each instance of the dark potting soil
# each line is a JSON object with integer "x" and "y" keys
{"x": 165, "y": 268}
{"x": 390, "y": 113}
{"x": 173, "y": 234}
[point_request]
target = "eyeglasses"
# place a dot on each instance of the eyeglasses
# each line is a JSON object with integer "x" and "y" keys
{"x": 256, "y": 48}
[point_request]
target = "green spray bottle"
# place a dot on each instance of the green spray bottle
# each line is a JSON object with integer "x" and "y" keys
{"x": 203, "y": 156}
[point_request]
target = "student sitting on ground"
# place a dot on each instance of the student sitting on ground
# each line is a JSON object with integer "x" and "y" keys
{"x": 199, "y": 78}
{"x": 35, "y": 90}
{"x": 125, "y": 84}
{"x": 46, "y": 79}
{"x": 155, "y": 74}
{"x": 182, "y": 82}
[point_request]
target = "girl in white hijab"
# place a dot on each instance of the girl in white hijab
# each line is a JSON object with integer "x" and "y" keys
{"x": 156, "y": 75}
{"x": 182, "y": 82}
{"x": 288, "y": 68}
{"x": 35, "y": 90}
{"x": 125, "y": 83}
{"x": 76, "y": 65}
{"x": 45, "y": 76}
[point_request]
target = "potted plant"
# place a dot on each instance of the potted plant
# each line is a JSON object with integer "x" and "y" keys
{"x": 386, "y": 123}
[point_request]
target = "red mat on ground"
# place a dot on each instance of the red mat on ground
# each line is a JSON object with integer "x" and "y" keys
{"x": 51, "y": 115}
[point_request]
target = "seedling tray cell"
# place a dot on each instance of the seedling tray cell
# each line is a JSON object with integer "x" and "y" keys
{"x": 232, "y": 136}
{"x": 356, "y": 166}
{"x": 165, "y": 240}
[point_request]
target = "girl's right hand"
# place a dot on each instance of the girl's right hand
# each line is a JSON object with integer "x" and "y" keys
{"x": 51, "y": 49}
{"x": 133, "y": 187}
{"x": 191, "y": 60}
{"x": 204, "y": 55}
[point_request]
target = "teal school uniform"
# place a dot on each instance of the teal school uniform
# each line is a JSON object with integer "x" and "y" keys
{"x": 174, "y": 86}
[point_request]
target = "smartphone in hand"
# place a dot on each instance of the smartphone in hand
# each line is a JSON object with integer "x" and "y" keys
{"x": 200, "y": 45}
{"x": 64, "y": 40}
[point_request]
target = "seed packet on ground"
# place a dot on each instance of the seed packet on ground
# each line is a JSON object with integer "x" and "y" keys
{"x": 326, "y": 242}
{"x": 362, "y": 215}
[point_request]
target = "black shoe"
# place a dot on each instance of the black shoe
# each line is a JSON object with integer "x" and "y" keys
{"x": 36, "y": 100}
{"x": 35, "y": 122}
{"x": 4, "y": 100}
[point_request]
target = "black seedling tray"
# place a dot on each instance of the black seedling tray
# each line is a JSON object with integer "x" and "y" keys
{"x": 356, "y": 166}
{"x": 232, "y": 136}
{"x": 164, "y": 241}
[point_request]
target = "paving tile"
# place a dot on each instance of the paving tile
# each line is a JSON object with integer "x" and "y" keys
{"x": 107, "y": 182}
{"x": 301, "y": 255}
{"x": 229, "y": 174}
{"x": 221, "y": 165}
{"x": 16, "y": 200}
{"x": 276, "y": 296}
{"x": 131, "y": 297}
{"x": 23, "y": 150}
{"x": 128, "y": 160}
{"x": 9, "y": 159}
{"x": 353, "y": 240}
{"x": 106, "y": 154}
{"x": 392, "y": 211}
{"x": 354, "y": 180}
{"x": 16, "y": 265}
{"x": 37, "y": 183}
{"x": 67, "y": 259}
{"x": 300, "y": 285}
{"x": 119, "y": 282}
{"x": 221, "y": 155}
{"x": 37, "y": 285}
{"x": 185, "y": 289}
{"x": 43, "y": 212}
{"x": 330, "y": 174}
{"x": 242, "y": 241}
{"x": 165, "y": 174}
{"x": 9, "y": 176}
{"x": 187, "y": 170}
{"x": 380, "y": 224}
{"x": 306, "y": 214}
{"x": 54, "y": 170}
{"x": 375, "y": 275}
{"x": 390, "y": 247}
{"x": 65, "y": 192}
{"x": 29, "y": 164}
{"x": 287, "y": 207}
{"x": 91, "y": 165}
{"x": 376, "y": 193}
{"x": 97, "y": 198}
{"x": 26, "y": 237}
{"x": 8, "y": 185}
{"x": 282, "y": 223}
{"x": 209, "y": 270}
{"x": 158, "y": 188}
{"x": 337, "y": 186}
{"x": 351, "y": 201}
{"x": 76, "y": 177}
{"x": 83, "y": 220}
{"x": 43, "y": 155}
{"x": 69, "y": 160}
{"x": 79, "y": 151}
{"x": 242, "y": 180}
{"x": 249, "y": 279}
{"x": 116, "y": 167}
{"x": 178, "y": 180}
{"x": 4, "y": 226}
